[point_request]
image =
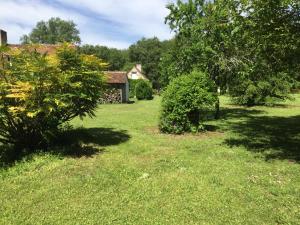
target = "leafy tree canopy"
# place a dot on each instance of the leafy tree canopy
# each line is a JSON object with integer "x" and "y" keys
{"x": 53, "y": 31}
{"x": 116, "y": 58}
{"x": 247, "y": 47}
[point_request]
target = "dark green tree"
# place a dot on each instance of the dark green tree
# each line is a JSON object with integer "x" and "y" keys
{"x": 148, "y": 53}
{"x": 240, "y": 44}
{"x": 117, "y": 59}
{"x": 269, "y": 31}
{"x": 53, "y": 31}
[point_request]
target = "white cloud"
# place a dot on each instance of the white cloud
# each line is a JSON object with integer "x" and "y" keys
{"x": 115, "y": 23}
{"x": 139, "y": 17}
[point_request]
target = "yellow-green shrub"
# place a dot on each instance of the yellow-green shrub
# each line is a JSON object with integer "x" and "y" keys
{"x": 40, "y": 92}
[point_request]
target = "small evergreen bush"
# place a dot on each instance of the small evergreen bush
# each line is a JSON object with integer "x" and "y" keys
{"x": 143, "y": 90}
{"x": 132, "y": 84}
{"x": 186, "y": 103}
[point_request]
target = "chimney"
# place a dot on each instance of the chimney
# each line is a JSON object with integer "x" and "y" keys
{"x": 139, "y": 67}
{"x": 3, "y": 37}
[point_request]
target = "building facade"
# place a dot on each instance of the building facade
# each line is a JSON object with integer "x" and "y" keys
{"x": 136, "y": 73}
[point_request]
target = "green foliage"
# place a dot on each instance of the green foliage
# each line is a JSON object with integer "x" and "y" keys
{"x": 254, "y": 180}
{"x": 132, "y": 85}
{"x": 40, "y": 92}
{"x": 269, "y": 91}
{"x": 117, "y": 59}
{"x": 53, "y": 31}
{"x": 167, "y": 65}
{"x": 186, "y": 103}
{"x": 143, "y": 90}
{"x": 148, "y": 52}
{"x": 243, "y": 45}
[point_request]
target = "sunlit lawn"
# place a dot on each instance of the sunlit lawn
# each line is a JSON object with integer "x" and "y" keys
{"x": 118, "y": 169}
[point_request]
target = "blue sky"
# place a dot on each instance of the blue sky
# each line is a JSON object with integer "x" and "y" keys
{"x": 114, "y": 23}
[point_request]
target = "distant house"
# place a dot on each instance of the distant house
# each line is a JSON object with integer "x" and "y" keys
{"x": 136, "y": 73}
{"x": 118, "y": 80}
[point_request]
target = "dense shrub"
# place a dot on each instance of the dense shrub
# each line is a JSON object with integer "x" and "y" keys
{"x": 186, "y": 103}
{"x": 245, "y": 90}
{"x": 40, "y": 92}
{"x": 132, "y": 84}
{"x": 143, "y": 90}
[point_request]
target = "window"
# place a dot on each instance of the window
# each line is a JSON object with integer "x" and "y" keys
{"x": 134, "y": 76}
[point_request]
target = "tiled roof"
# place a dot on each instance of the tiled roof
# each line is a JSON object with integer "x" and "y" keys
{"x": 116, "y": 77}
{"x": 41, "y": 48}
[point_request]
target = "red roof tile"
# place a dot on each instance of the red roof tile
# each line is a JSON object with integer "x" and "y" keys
{"x": 41, "y": 48}
{"x": 116, "y": 77}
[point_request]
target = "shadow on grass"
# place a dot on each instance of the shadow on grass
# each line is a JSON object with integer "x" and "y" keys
{"x": 276, "y": 137}
{"x": 237, "y": 113}
{"x": 211, "y": 128}
{"x": 76, "y": 143}
{"x": 87, "y": 142}
{"x": 130, "y": 102}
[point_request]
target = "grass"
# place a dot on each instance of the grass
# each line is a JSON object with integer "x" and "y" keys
{"x": 118, "y": 169}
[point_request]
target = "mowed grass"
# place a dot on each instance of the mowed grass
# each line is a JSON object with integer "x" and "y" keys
{"x": 118, "y": 169}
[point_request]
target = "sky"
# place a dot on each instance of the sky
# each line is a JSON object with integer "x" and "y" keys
{"x": 113, "y": 23}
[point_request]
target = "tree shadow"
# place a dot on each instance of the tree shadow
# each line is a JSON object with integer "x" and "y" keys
{"x": 211, "y": 128}
{"x": 237, "y": 113}
{"x": 275, "y": 137}
{"x": 130, "y": 102}
{"x": 75, "y": 143}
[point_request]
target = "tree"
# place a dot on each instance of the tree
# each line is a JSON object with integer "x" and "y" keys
{"x": 53, "y": 31}
{"x": 39, "y": 93}
{"x": 168, "y": 68}
{"x": 240, "y": 44}
{"x": 117, "y": 59}
{"x": 148, "y": 53}
{"x": 270, "y": 31}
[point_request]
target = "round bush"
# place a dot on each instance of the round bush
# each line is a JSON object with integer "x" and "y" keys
{"x": 143, "y": 90}
{"x": 187, "y": 102}
{"x": 132, "y": 84}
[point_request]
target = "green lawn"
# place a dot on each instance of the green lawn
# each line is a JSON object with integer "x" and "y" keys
{"x": 118, "y": 169}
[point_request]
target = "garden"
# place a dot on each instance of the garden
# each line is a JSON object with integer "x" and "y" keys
{"x": 210, "y": 135}
{"x": 245, "y": 169}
